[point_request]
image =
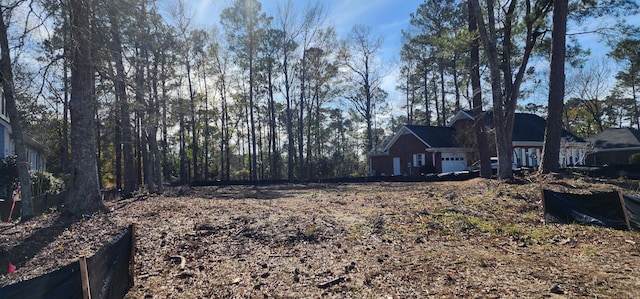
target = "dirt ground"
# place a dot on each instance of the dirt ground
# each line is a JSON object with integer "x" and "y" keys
{"x": 477, "y": 239}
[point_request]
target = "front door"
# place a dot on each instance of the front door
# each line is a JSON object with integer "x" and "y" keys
{"x": 396, "y": 165}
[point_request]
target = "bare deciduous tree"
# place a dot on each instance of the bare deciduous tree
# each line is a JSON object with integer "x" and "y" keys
{"x": 359, "y": 56}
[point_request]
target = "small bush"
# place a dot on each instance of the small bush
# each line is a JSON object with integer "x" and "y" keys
{"x": 41, "y": 182}
{"x": 8, "y": 175}
{"x": 45, "y": 182}
{"x": 242, "y": 174}
{"x": 634, "y": 159}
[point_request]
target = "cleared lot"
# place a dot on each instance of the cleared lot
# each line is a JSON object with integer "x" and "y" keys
{"x": 477, "y": 238}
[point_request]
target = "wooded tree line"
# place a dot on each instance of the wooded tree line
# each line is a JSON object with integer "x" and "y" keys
{"x": 255, "y": 97}
{"x": 259, "y": 96}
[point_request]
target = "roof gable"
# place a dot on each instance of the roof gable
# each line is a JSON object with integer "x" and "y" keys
{"x": 616, "y": 138}
{"x": 462, "y": 114}
{"x": 431, "y": 137}
{"x": 434, "y": 137}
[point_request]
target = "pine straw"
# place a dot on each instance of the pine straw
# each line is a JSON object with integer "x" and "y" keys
{"x": 477, "y": 238}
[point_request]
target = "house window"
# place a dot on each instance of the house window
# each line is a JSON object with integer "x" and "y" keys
{"x": 418, "y": 160}
{"x": 1, "y": 141}
{"x": 3, "y": 106}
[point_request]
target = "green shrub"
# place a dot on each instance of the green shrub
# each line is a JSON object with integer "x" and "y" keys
{"x": 41, "y": 182}
{"x": 634, "y": 159}
{"x": 242, "y": 174}
{"x": 45, "y": 182}
{"x": 8, "y": 176}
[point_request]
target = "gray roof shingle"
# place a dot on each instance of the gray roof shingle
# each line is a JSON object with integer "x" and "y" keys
{"x": 436, "y": 137}
{"x": 530, "y": 127}
{"x": 616, "y": 138}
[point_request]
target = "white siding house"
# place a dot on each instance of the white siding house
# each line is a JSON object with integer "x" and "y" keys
{"x": 35, "y": 150}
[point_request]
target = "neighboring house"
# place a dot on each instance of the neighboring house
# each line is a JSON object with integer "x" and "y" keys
{"x": 35, "y": 150}
{"x": 527, "y": 139}
{"x": 416, "y": 150}
{"x": 613, "y": 146}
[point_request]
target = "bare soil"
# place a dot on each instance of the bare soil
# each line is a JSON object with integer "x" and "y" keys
{"x": 478, "y": 239}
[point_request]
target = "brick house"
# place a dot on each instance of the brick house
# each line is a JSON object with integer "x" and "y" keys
{"x": 417, "y": 150}
{"x": 613, "y": 146}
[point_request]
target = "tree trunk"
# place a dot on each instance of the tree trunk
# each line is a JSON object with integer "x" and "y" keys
{"x": 194, "y": 135}
{"x": 409, "y": 94}
{"x": 224, "y": 153}
{"x": 489, "y": 41}
{"x": 434, "y": 87}
{"x": 273, "y": 151}
{"x": 636, "y": 112}
{"x": 165, "y": 144}
{"x": 308, "y": 132}
{"x": 553, "y": 132}
{"x": 287, "y": 95}
{"x": 368, "y": 109}
{"x": 147, "y": 164}
{"x": 207, "y": 133}
{"x": 6, "y": 78}
{"x": 425, "y": 90}
{"x": 144, "y": 106}
{"x": 303, "y": 83}
{"x": 443, "y": 120}
{"x": 125, "y": 117}
{"x": 456, "y": 82}
{"x": 64, "y": 148}
{"x": 98, "y": 148}
{"x": 505, "y": 90}
{"x": 84, "y": 191}
{"x": 478, "y": 114}
{"x": 118, "y": 147}
{"x": 153, "y": 110}
{"x": 253, "y": 156}
{"x": 138, "y": 146}
{"x": 184, "y": 171}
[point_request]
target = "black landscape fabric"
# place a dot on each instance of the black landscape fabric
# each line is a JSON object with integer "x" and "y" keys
{"x": 63, "y": 283}
{"x": 632, "y": 204}
{"x": 108, "y": 269}
{"x": 599, "y": 209}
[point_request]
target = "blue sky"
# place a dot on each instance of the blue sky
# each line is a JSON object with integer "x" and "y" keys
{"x": 384, "y": 17}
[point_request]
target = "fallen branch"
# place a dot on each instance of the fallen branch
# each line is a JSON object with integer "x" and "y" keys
{"x": 331, "y": 283}
{"x": 507, "y": 250}
{"x": 147, "y": 275}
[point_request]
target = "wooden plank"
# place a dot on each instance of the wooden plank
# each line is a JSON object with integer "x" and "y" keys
{"x": 544, "y": 206}
{"x": 132, "y": 258}
{"x": 624, "y": 210}
{"x": 84, "y": 277}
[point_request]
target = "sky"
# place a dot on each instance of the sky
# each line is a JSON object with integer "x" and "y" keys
{"x": 385, "y": 17}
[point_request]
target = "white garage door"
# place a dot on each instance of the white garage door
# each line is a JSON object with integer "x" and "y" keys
{"x": 453, "y": 162}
